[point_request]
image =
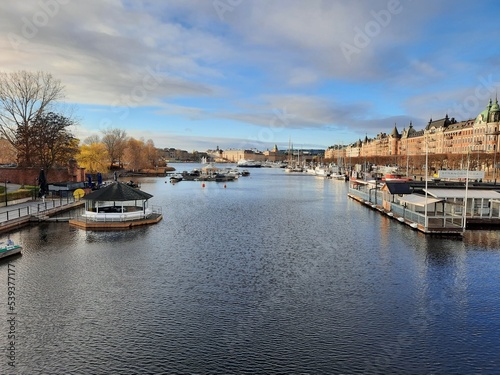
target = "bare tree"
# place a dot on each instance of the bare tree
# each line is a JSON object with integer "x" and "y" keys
{"x": 92, "y": 139}
{"x": 23, "y": 97}
{"x": 116, "y": 142}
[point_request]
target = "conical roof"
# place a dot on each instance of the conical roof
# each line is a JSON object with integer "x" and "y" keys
{"x": 117, "y": 191}
{"x": 495, "y": 107}
{"x": 395, "y": 133}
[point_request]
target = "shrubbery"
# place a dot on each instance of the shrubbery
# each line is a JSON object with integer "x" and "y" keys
{"x": 18, "y": 194}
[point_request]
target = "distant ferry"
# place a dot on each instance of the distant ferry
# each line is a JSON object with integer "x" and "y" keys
{"x": 249, "y": 164}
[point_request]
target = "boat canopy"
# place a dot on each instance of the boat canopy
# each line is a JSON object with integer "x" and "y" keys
{"x": 460, "y": 193}
{"x": 419, "y": 200}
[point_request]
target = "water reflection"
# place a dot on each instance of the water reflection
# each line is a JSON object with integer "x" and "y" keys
{"x": 483, "y": 239}
{"x": 273, "y": 274}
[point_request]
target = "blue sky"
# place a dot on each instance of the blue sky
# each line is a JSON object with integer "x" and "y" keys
{"x": 196, "y": 74}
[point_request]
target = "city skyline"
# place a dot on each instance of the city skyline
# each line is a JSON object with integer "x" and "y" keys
{"x": 250, "y": 74}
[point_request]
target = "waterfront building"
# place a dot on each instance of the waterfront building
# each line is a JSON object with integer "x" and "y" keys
{"x": 275, "y": 155}
{"x": 235, "y": 155}
{"x": 446, "y": 136}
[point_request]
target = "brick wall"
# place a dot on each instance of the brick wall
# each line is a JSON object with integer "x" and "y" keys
{"x": 28, "y": 176}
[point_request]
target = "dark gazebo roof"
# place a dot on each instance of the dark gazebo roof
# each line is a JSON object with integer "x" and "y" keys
{"x": 117, "y": 191}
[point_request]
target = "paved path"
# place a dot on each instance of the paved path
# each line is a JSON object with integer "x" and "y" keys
{"x": 12, "y": 187}
{"x": 15, "y": 212}
{"x": 3, "y": 209}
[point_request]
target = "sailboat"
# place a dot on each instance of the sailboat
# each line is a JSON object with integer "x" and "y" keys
{"x": 292, "y": 166}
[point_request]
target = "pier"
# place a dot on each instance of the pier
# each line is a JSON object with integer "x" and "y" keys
{"x": 23, "y": 213}
{"x": 436, "y": 208}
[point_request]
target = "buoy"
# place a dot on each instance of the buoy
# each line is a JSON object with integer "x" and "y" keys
{"x": 224, "y": 186}
{"x": 203, "y": 185}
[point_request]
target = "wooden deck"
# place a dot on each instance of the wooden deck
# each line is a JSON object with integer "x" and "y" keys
{"x": 82, "y": 223}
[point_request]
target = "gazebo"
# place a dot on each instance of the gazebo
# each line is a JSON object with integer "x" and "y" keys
{"x": 117, "y": 206}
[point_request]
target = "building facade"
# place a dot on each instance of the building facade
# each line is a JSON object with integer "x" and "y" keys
{"x": 443, "y": 136}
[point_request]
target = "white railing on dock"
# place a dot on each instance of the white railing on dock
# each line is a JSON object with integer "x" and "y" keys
{"x": 120, "y": 217}
{"x": 442, "y": 220}
{"x": 34, "y": 208}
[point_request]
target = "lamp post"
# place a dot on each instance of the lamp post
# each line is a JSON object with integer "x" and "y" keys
{"x": 5, "y": 191}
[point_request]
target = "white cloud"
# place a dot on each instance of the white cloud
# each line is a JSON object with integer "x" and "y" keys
{"x": 182, "y": 58}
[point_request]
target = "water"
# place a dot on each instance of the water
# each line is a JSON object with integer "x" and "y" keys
{"x": 274, "y": 274}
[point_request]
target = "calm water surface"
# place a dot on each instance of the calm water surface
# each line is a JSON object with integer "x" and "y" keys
{"x": 275, "y": 274}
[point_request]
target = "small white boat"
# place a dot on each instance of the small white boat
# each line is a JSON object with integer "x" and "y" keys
{"x": 322, "y": 171}
{"x": 293, "y": 168}
{"x": 233, "y": 172}
{"x": 9, "y": 249}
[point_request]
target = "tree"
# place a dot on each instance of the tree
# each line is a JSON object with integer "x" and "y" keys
{"x": 152, "y": 153}
{"x": 45, "y": 142}
{"x": 92, "y": 139}
{"x": 135, "y": 155}
{"x": 115, "y": 142}
{"x": 8, "y": 153}
{"x": 24, "y": 96}
{"x": 93, "y": 157}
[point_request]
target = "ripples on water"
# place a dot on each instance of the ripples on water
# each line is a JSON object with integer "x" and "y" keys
{"x": 275, "y": 274}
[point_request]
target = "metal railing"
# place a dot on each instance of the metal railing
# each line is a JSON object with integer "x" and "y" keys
{"x": 433, "y": 220}
{"x": 120, "y": 217}
{"x": 35, "y": 208}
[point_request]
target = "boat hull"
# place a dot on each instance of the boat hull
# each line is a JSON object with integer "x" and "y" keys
{"x": 10, "y": 250}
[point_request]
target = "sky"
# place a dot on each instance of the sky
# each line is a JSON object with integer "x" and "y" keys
{"x": 243, "y": 74}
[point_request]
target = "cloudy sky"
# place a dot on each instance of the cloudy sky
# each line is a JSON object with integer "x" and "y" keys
{"x": 196, "y": 74}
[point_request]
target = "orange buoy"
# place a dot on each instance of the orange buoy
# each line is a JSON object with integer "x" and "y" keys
{"x": 203, "y": 185}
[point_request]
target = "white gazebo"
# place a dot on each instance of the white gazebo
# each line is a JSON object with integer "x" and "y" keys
{"x": 117, "y": 202}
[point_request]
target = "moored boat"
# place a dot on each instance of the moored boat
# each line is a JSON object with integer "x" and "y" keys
{"x": 9, "y": 249}
{"x": 175, "y": 178}
{"x": 291, "y": 169}
{"x": 322, "y": 171}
